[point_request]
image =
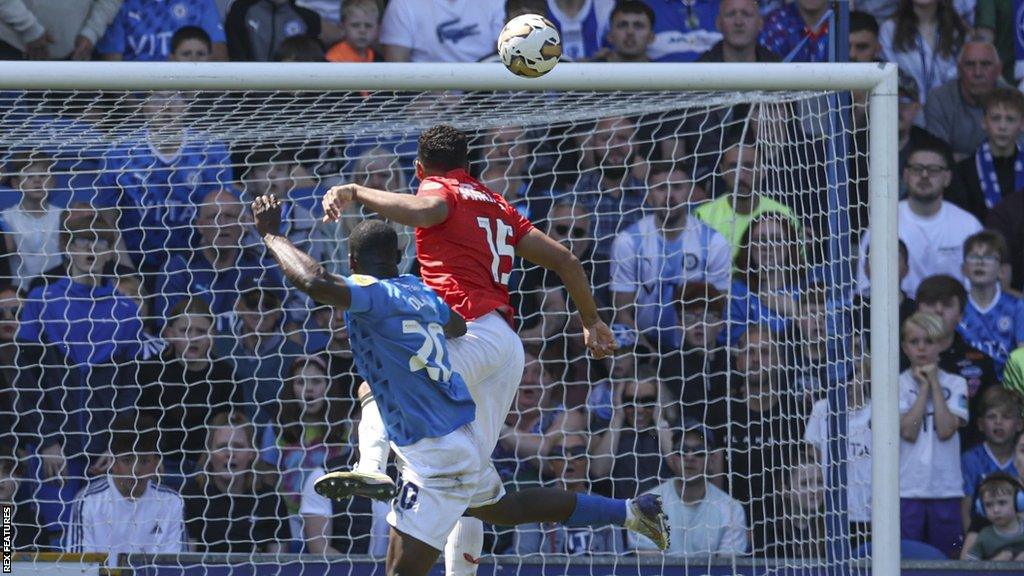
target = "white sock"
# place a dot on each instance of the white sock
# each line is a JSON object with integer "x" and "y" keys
{"x": 467, "y": 538}
{"x": 373, "y": 439}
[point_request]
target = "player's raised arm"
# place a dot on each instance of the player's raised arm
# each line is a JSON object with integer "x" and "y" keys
{"x": 300, "y": 268}
{"x": 407, "y": 209}
{"x": 538, "y": 248}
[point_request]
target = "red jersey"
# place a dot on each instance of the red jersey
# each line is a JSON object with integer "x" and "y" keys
{"x": 467, "y": 259}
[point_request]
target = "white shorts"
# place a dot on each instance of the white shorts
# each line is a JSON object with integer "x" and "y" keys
{"x": 441, "y": 479}
{"x": 490, "y": 358}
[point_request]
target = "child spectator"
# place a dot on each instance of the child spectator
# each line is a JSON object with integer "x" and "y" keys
{"x": 978, "y": 520}
{"x": 933, "y": 406}
{"x": 1000, "y": 423}
{"x": 993, "y": 321}
{"x": 360, "y": 19}
{"x": 924, "y": 38}
{"x": 300, "y": 48}
{"x": 799, "y": 531}
{"x": 630, "y": 33}
{"x": 31, "y": 229}
{"x": 997, "y": 167}
{"x": 255, "y": 29}
{"x": 142, "y": 29}
{"x": 798, "y": 32}
{"x": 1001, "y": 496}
{"x": 25, "y": 521}
{"x": 125, "y": 511}
{"x": 190, "y": 44}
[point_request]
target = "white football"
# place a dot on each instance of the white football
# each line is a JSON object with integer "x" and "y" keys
{"x": 529, "y": 45}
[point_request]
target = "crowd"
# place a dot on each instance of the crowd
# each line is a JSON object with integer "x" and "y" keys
{"x": 163, "y": 390}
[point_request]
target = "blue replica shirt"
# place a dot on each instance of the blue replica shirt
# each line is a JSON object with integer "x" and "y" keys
{"x": 396, "y": 328}
{"x": 977, "y": 463}
{"x": 786, "y": 34}
{"x": 89, "y": 324}
{"x": 142, "y": 29}
{"x": 158, "y": 196}
{"x": 745, "y": 308}
{"x": 683, "y": 30}
{"x": 583, "y": 35}
{"x": 996, "y": 330}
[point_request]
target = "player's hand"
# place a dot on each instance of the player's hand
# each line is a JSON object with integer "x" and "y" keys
{"x": 599, "y": 339}
{"x": 336, "y": 200}
{"x": 266, "y": 214}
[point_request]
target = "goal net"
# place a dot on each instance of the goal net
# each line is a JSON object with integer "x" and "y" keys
{"x": 167, "y": 396}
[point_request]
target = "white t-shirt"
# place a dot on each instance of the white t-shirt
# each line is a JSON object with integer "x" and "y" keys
{"x": 104, "y": 521}
{"x": 858, "y": 454}
{"x": 715, "y": 525}
{"x": 443, "y": 30}
{"x": 313, "y": 504}
{"x": 930, "y": 468}
{"x": 643, "y": 261}
{"x": 37, "y": 239}
{"x": 935, "y": 245}
{"x": 585, "y": 31}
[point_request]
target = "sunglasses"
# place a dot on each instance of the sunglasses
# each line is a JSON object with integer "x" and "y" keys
{"x": 572, "y": 231}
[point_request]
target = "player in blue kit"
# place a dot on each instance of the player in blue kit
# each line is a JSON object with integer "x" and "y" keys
{"x": 142, "y": 29}
{"x": 397, "y": 329}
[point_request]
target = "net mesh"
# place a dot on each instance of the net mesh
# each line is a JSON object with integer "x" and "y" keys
{"x": 146, "y": 320}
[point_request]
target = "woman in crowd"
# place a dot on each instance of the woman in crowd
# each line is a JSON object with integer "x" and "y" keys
{"x": 924, "y": 39}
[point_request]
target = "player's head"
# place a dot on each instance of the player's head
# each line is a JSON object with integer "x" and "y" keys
{"x": 984, "y": 254}
{"x": 133, "y": 444}
{"x": 1000, "y": 420}
{"x": 944, "y": 296}
{"x": 373, "y": 249}
{"x": 442, "y": 149}
{"x": 190, "y": 44}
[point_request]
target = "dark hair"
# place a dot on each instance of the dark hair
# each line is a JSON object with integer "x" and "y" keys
{"x": 300, "y": 48}
{"x": 632, "y": 7}
{"x": 190, "y": 307}
{"x": 374, "y": 242}
{"x": 863, "y": 22}
{"x": 536, "y": 6}
{"x": 186, "y": 33}
{"x": 941, "y": 288}
{"x": 92, "y": 226}
{"x": 993, "y": 239}
{"x": 289, "y": 418}
{"x": 443, "y": 147}
{"x": 951, "y": 29}
{"x": 1009, "y": 97}
{"x": 935, "y": 146}
{"x": 793, "y": 243}
{"x": 133, "y": 434}
{"x": 698, "y": 296}
{"x": 998, "y": 397}
{"x": 260, "y": 298}
{"x": 998, "y": 483}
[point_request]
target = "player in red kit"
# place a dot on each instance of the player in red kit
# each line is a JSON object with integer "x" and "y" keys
{"x": 466, "y": 239}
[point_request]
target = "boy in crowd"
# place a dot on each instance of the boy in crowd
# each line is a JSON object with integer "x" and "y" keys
{"x": 993, "y": 321}
{"x": 1000, "y": 423}
{"x": 1004, "y": 539}
{"x": 360, "y": 19}
{"x": 191, "y": 44}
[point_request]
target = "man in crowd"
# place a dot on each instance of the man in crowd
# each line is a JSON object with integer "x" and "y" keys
{"x": 953, "y": 112}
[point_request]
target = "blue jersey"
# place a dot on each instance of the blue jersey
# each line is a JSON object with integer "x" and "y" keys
{"x": 583, "y": 35}
{"x": 997, "y": 330}
{"x": 977, "y": 463}
{"x": 90, "y": 324}
{"x": 142, "y": 29}
{"x": 396, "y": 328}
{"x": 158, "y": 196}
{"x": 786, "y": 34}
{"x": 683, "y": 30}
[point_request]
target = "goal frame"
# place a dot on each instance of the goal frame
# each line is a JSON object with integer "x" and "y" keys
{"x": 880, "y": 80}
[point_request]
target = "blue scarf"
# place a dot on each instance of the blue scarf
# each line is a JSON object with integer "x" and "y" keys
{"x": 987, "y": 173}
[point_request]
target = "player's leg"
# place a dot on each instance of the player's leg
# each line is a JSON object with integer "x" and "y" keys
{"x": 463, "y": 548}
{"x": 408, "y": 556}
{"x": 367, "y": 478}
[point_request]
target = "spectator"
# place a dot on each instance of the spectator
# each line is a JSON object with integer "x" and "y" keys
{"x": 130, "y": 284}
{"x": 300, "y": 48}
{"x": 682, "y": 33}
{"x": 933, "y": 230}
{"x": 59, "y": 31}
{"x": 630, "y": 33}
{"x": 740, "y": 24}
{"x": 25, "y": 520}
{"x": 229, "y": 506}
{"x": 997, "y": 167}
{"x": 125, "y": 511}
{"x": 800, "y": 532}
{"x": 629, "y": 456}
{"x": 923, "y": 39}
{"x": 184, "y": 386}
{"x": 10, "y": 374}
{"x": 697, "y": 374}
{"x": 360, "y": 19}
{"x": 336, "y": 527}
{"x": 654, "y": 257}
{"x": 978, "y": 521}
{"x": 798, "y": 32}
{"x": 933, "y": 406}
{"x": 865, "y": 46}
{"x": 908, "y": 305}
{"x": 310, "y": 429}
{"x": 812, "y": 346}
{"x": 730, "y": 214}
{"x": 911, "y": 136}
{"x": 190, "y": 44}
{"x": 769, "y": 273}
{"x": 584, "y": 25}
{"x": 440, "y": 31}
{"x": 567, "y": 466}
{"x": 507, "y": 159}
{"x": 705, "y": 520}
{"x": 994, "y": 22}
{"x": 31, "y": 228}
{"x": 1003, "y": 540}
{"x": 1007, "y": 218}
{"x": 993, "y": 321}
{"x": 1000, "y": 423}
{"x": 255, "y": 29}
{"x": 142, "y": 31}
{"x": 953, "y": 112}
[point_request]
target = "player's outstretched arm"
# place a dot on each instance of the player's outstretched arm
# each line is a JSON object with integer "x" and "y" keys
{"x": 407, "y": 209}
{"x": 300, "y": 268}
{"x": 538, "y": 248}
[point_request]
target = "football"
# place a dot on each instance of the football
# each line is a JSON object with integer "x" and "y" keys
{"x": 529, "y": 45}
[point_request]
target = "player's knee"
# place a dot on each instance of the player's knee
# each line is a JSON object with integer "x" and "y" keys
{"x": 363, "y": 392}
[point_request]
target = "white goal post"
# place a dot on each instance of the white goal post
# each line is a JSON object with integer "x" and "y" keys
{"x": 879, "y": 80}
